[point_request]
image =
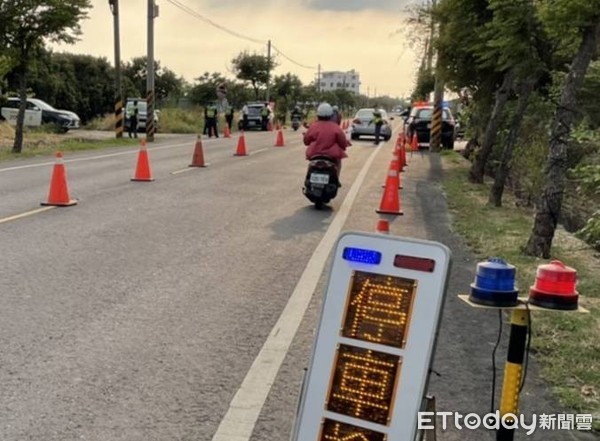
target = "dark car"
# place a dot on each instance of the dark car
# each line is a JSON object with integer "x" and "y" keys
{"x": 419, "y": 122}
{"x": 39, "y": 112}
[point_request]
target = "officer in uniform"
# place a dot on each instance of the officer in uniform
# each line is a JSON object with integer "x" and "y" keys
{"x": 229, "y": 116}
{"x": 132, "y": 115}
{"x": 378, "y": 121}
{"x": 264, "y": 113}
{"x": 210, "y": 121}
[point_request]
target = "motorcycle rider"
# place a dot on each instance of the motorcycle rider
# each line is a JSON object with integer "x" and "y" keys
{"x": 324, "y": 137}
{"x": 337, "y": 115}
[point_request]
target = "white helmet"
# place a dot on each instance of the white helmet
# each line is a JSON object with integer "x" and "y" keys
{"x": 324, "y": 110}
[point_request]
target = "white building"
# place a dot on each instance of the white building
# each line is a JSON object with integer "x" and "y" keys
{"x": 334, "y": 80}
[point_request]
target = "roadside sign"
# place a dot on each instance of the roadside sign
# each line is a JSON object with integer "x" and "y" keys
{"x": 370, "y": 364}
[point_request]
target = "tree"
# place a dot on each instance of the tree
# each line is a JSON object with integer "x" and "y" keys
{"x": 584, "y": 16}
{"x": 166, "y": 83}
{"x": 287, "y": 89}
{"x": 253, "y": 68}
{"x": 25, "y": 25}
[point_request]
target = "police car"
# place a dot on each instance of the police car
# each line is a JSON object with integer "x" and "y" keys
{"x": 38, "y": 112}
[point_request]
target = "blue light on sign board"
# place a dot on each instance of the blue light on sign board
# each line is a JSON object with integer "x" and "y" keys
{"x": 360, "y": 255}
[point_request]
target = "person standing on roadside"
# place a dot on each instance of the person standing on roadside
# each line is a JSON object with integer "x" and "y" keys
{"x": 132, "y": 115}
{"x": 210, "y": 121}
{"x": 245, "y": 117}
{"x": 378, "y": 121}
{"x": 229, "y": 116}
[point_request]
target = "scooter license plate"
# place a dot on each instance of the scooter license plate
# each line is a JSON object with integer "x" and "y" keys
{"x": 319, "y": 178}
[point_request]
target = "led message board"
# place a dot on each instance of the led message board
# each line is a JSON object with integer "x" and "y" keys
{"x": 370, "y": 363}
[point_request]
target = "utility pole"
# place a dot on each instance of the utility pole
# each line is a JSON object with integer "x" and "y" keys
{"x": 435, "y": 137}
{"x": 319, "y": 79}
{"x": 268, "y": 71}
{"x": 114, "y": 7}
{"x": 150, "y": 129}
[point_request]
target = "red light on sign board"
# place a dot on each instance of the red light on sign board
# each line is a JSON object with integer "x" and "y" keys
{"x": 414, "y": 263}
{"x": 334, "y": 431}
{"x": 363, "y": 384}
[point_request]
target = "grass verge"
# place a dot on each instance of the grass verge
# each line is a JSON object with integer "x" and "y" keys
{"x": 45, "y": 145}
{"x": 567, "y": 345}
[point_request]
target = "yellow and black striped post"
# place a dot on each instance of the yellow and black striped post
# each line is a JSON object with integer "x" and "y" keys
{"x": 513, "y": 371}
{"x": 150, "y": 128}
{"x": 118, "y": 117}
{"x": 435, "y": 137}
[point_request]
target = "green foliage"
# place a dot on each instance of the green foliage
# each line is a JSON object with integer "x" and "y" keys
{"x": 591, "y": 232}
{"x": 166, "y": 83}
{"x": 253, "y": 68}
{"x": 588, "y": 96}
{"x": 424, "y": 86}
{"x": 182, "y": 121}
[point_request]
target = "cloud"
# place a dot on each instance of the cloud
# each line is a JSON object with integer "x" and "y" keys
{"x": 356, "y": 5}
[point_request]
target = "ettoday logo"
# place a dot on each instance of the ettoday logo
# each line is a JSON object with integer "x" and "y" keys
{"x": 494, "y": 421}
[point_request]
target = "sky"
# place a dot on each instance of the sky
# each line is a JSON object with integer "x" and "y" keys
{"x": 339, "y": 35}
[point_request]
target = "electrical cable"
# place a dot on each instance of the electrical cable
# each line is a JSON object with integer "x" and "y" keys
{"x": 199, "y": 16}
{"x": 494, "y": 361}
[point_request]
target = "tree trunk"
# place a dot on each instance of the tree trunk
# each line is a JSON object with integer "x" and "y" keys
{"x": 526, "y": 88}
{"x": 478, "y": 168}
{"x": 18, "y": 144}
{"x": 550, "y": 203}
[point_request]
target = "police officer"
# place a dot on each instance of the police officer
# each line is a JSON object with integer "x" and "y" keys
{"x": 264, "y": 113}
{"x": 378, "y": 121}
{"x": 132, "y": 115}
{"x": 210, "y": 121}
{"x": 229, "y": 116}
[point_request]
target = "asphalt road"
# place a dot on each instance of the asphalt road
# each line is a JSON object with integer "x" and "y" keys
{"x": 138, "y": 313}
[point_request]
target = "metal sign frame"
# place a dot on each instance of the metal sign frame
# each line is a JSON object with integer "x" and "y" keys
{"x": 415, "y": 357}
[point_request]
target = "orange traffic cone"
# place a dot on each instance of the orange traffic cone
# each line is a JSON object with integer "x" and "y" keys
{"x": 390, "y": 202}
{"x": 142, "y": 171}
{"x": 59, "y": 193}
{"x": 279, "y": 140}
{"x": 395, "y": 166}
{"x": 198, "y": 156}
{"x": 415, "y": 143}
{"x": 400, "y": 140}
{"x": 383, "y": 226}
{"x": 241, "y": 147}
{"x": 226, "y": 132}
{"x": 402, "y": 152}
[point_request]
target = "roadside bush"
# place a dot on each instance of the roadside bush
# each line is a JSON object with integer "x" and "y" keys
{"x": 181, "y": 120}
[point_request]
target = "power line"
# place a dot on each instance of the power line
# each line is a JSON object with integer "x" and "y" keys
{"x": 199, "y": 16}
{"x": 195, "y": 14}
{"x": 292, "y": 61}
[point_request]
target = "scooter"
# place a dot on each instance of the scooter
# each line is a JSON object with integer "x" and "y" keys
{"x": 295, "y": 123}
{"x": 321, "y": 183}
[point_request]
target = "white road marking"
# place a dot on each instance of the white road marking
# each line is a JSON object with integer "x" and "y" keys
{"x": 244, "y": 409}
{"x": 28, "y": 213}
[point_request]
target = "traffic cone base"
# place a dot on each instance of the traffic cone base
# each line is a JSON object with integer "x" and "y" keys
{"x": 198, "y": 156}
{"x": 58, "y": 195}
{"x": 142, "y": 170}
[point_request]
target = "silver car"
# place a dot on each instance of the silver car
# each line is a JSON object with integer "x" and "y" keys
{"x": 361, "y": 126}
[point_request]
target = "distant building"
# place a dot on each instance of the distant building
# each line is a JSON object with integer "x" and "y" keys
{"x": 334, "y": 80}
